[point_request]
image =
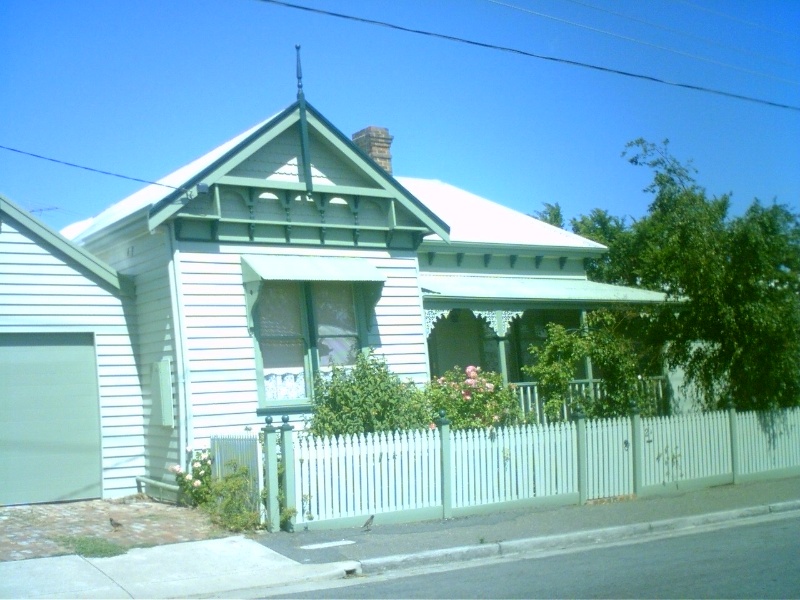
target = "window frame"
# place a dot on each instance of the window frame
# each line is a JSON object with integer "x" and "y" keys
{"x": 311, "y": 358}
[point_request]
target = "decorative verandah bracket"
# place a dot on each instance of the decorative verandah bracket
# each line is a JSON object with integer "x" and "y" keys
{"x": 431, "y": 316}
{"x": 498, "y": 320}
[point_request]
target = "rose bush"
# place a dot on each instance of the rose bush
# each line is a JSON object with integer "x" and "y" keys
{"x": 194, "y": 485}
{"x": 473, "y": 399}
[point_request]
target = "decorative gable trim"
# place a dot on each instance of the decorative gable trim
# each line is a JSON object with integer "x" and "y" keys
{"x": 217, "y": 176}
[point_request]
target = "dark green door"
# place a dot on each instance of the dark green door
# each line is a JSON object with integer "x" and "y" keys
{"x": 50, "y": 444}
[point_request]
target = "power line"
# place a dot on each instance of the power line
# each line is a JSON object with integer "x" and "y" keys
{"x": 699, "y": 38}
{"x": 642, "y": 42}
{"x": 565, "y": 61}
{"x": 93, "y": 170}
{"x": 738, "y": 20}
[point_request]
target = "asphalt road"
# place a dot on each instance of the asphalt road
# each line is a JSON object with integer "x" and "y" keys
{"x": 756, "y": 560}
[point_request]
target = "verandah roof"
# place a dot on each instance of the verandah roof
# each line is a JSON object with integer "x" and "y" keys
{"x": 531, "y": 289}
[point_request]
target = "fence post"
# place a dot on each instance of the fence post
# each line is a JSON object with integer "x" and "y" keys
{"x": 734, "y": 427}
{"x": 443, "y": 423}
{"x": 271, "y": 480}
{"x": 287, "y": 456}
{"x": 580, "y": 426}
{"x": 638, "y": 450}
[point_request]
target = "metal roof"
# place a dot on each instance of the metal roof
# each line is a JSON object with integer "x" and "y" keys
{"x": 542, "y": 289}
{"x": 474, "y": 219}
{"x": 155, "y": 192}
{"x": 169, "y": 193}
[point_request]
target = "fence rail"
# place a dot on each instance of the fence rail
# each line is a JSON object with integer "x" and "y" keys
{"x": 406, "y": 476}
{"x": 653, "y": 397}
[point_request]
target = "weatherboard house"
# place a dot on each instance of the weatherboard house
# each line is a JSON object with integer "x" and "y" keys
{"x": 199, "y": 305}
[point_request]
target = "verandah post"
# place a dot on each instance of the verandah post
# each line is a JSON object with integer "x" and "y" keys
{"x": 580, "y": 433}
{"x": 271, "y": 479}
{"x": 443, "y": 423}
{"x": 287, "y": 456}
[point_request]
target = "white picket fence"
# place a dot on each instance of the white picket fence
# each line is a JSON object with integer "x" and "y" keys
{"x": 352, "y": 477}
{"x": 768, "y": 442}
{"x": 685, "y": 447}
{"x": 610, "y": 466}
{"x": 366, "y": 474}
{"x": 514, "y": 463}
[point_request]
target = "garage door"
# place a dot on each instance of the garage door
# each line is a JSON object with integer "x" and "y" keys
{"x": 49, "y": 418}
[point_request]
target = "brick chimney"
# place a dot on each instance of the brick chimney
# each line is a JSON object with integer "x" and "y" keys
{"x": 375, "y": 143}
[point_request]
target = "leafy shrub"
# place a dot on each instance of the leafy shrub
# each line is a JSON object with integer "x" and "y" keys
{"x": 473, "y": 399}
{"x": 366, "y": 398}
{"x": 233, "y": 503}
{"x": 195, "y": 486}
{"x": 612, "y": 353}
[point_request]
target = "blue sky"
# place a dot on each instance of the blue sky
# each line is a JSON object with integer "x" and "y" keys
{"x": 142, "y": 87}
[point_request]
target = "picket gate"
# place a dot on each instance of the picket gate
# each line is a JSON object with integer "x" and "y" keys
{"x": 686, "y": 447}
{"x": 356, "y": 475}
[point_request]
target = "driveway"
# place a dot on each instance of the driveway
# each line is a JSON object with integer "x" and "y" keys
{"x": 39, "y": 530}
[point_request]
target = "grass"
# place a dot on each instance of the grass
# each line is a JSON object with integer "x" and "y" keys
{"x": 92, "y": 547}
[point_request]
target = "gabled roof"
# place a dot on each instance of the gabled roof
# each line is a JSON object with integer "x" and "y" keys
{"x": 158, "y": 202}
{"x": 476, "y": 220}
{"x": 56, "y": 242}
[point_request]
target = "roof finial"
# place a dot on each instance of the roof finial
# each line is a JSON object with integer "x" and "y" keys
{"x": 299, "y": 73}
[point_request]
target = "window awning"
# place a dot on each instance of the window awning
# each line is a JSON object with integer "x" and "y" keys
{"x": 256, "y": 268}
{"x": 532, "y": 289}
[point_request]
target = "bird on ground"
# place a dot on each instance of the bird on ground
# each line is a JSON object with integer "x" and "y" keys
{"x": 115, "y": 525}
{"x": 368, "y": 525}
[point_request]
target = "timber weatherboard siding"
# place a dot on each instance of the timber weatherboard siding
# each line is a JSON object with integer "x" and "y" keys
{"x": 220, "y": 352}
{"x": 146, "y": 258}
{"x": 42, "y": 292}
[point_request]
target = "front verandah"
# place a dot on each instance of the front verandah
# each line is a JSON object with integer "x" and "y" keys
{"x": 499, "y": 339}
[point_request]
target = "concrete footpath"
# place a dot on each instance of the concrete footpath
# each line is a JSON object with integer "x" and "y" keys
{"x": 241, "y": 566}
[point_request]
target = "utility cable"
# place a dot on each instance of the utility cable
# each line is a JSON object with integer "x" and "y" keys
{"x": 698, "y": 38}
{"x": 642, "y": 42}
{"x": 753, "y": 24}
{"x": 565, "y": 61}
{"x": 93, "y": 170}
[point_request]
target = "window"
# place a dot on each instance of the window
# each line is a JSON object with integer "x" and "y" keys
{"x": 301, "y": 328}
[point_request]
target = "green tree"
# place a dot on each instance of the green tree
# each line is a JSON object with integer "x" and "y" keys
{"x": 551, "y": 213}
{"x": 733, "y": 283}
{"x": 614, "y": 233}
{"x": 613, "y": 353}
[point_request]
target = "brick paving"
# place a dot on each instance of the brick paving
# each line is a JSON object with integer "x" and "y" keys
{"x": 38, "y": 530}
